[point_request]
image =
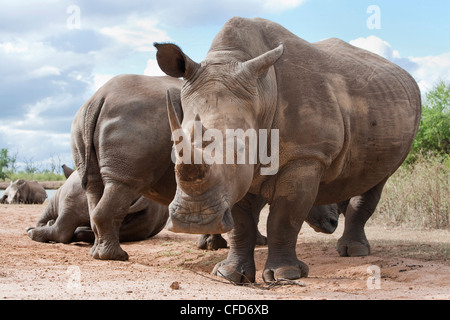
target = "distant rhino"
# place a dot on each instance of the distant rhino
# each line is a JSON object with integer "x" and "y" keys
{"x": 66, "y": 217}
{"x": 23, "y": 191}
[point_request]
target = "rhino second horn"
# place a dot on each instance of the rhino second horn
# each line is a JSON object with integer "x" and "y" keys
{"x": 259, "y": 65}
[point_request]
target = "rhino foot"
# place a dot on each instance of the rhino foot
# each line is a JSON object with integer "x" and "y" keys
{"x": 35, "y": 235}
{"x": 45, "y": 234}
{"x": 211, "y": 242}
{"x": 291, "y": 272}
{"x": 83, "y": 234}
{"x": 348, "y": 248}
{"x": 261, "y": 240}
{"x": 237, "y": 273}
{"x": 108, "y": 251}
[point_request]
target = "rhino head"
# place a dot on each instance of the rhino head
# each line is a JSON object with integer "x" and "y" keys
{"x": 15, "y": 190}
{"x": 224, "y": 95}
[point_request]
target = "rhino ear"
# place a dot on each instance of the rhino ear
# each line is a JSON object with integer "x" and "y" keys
{"x": 174, "y": 62}
{"x": 258, "y": 66}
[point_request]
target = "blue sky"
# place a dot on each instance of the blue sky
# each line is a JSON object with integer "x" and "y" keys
{"x": 56, "y": 53}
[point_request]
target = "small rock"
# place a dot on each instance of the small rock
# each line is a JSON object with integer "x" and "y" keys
{"x": 175, "y": 285}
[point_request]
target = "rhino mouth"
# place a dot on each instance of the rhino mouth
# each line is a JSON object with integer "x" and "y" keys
{"x": 328, "y": 226}
{"x": 213, "y": 220}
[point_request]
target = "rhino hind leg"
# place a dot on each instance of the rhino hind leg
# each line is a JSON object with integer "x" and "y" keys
{"x": 357, "y": 211}
{"x": 106, "y": 219}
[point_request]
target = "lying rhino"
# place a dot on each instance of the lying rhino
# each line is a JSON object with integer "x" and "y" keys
{"x": 66, "y": 217}
{"x": 341, "y": 120}
{"x": 121, "y": 137}
{"x": 23, "y": 191}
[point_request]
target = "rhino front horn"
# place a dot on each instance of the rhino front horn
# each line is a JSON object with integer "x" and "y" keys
{"x": 175, "y": 127}
{"x": 173, "y": 118}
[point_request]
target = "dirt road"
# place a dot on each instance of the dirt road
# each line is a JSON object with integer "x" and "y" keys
{"x": 403, "y": 265}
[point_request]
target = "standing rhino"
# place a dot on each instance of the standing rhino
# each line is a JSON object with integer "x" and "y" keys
{"x": 121, "y": 144}
{"x": 120, "y": 141}
{"x": 344, "y": 120}
{"x": 67, "y": 213}
{"x": 23, "y": 191}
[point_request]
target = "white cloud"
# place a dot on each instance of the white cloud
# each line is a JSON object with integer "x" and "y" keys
{"x": 425, "y": 70}
{"x": 279, "y": 5}
{"x": 42, "y": 130}
{"x": 45, "y": 71}
{"x": 48, "y": 71}
{"x": 153, "y": 69}
{"x": 376, "y": 45}
{"x": 9, "y": 47}
{"x": 36, "y": 146}
{"x": 138, "y": 33}
{"x": 100, "y": 80}
{"x": 431, "y": 69}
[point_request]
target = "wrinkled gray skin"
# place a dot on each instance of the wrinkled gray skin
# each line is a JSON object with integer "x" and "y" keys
{"x": 346, "y": 118}
{"x": 22, "y": 191}
{"x": 120, "y": 142}
{"x": 66, "y": 217}
{"x": 121, "y": 136}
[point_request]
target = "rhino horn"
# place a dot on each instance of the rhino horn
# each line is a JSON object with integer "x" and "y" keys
{"x": 173, "y": 118}
{"x": 174, "y": 122}
{"x": 197, "y": 169}
{"x": 258, "y": 66}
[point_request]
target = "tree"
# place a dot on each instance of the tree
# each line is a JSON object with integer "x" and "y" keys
{"x": 5, "y": 161}
{"x": 434, "y": 131}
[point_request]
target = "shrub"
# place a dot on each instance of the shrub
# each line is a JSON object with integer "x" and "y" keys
{"x": 434, "y": 130}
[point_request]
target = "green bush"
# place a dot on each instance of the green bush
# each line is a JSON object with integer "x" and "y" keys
{"x": 434, "y": 130}
{"x": 5, "y": 161}
{"x": 38, "y": 176}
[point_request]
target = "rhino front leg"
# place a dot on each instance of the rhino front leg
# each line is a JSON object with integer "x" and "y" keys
{"x": 239, "y": 266}
{"x": 359, "y": 209}
{"x": 296, "y": 191}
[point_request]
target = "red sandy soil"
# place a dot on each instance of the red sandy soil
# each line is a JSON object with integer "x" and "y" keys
{"x": 411, "y": 265}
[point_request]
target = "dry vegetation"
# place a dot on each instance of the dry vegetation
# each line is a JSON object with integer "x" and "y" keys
{"x": 417, "y": 196}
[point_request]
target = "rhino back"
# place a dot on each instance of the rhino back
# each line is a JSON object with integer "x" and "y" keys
{"x": 128, "y": 142}
{"x": 352, "y": 110}
{"x": 33, "y": 192}
{"x": 125, "y": 123}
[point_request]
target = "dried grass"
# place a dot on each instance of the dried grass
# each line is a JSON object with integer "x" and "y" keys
{"x": 417, "y": 196}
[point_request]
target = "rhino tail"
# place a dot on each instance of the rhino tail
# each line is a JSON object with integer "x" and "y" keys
{"x": 90, "y": 118}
